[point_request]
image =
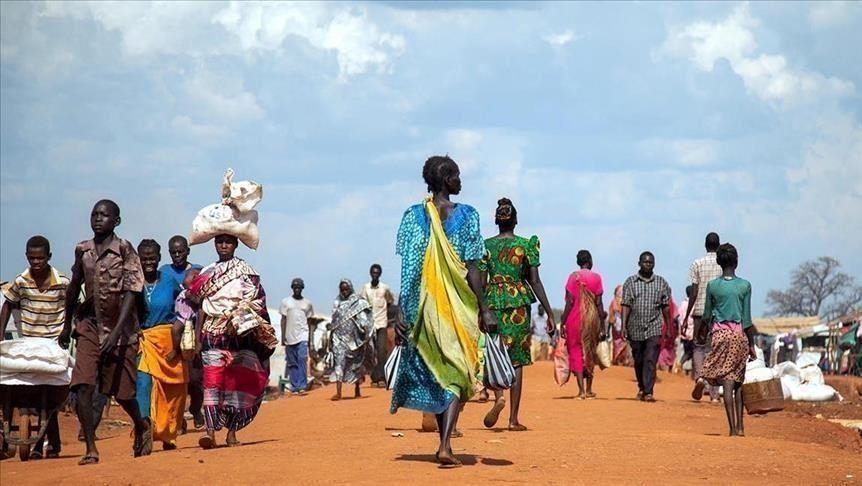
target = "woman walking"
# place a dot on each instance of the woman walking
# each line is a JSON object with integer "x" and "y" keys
{"x": 237, "y": 341}
{"x": 728, "y": 309}
{"x": 441, "y": 297}
{"x": 162, "y": 374}
{"x": 351, "y": 332}
{"x": 622, "y": 353}
{"x": 582, "y": 318}
{"x": 513, "y": 284}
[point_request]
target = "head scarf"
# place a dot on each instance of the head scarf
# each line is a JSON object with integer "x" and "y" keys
{"x": 349, "y": 284}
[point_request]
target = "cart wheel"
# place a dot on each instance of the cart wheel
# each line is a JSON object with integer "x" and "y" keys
{"x": 23, "y": 434}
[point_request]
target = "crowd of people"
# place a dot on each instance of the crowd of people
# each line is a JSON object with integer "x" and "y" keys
{"x": 128, "y": 316}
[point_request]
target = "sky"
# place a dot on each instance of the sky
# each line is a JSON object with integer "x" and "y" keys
{"x": 613, "y": 127}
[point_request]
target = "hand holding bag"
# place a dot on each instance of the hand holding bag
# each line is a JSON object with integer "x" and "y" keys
{"x": 562, "y": 372}
{"x": 603, "y": 353}
{"x": 499, "y": 372}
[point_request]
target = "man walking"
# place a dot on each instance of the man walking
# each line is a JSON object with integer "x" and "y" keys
{"x": 646, "y": 299}
{"x": 295, "y": 311}
{"x": 380, "y": 297}
{"x": 702, "y": 271}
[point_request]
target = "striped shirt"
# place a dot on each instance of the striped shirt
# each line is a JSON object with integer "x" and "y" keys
{"x": 702, "y": 271}
{"x": 42, "y": 312}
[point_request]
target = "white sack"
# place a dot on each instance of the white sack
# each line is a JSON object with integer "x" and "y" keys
{"x": 788, "y": 383}
{"x": 33, "y": 355}
{"x": 753, "y": 365}
{"x": 813, "y": 393}
{"x": 786, "y": 368}
{"x": 235, "y": 215}
{"x": 758, "y": 375}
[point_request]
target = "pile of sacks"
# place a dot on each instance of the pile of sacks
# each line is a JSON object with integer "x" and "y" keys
{"x": 34, "y": 361}
{"x": 800, "y": 381}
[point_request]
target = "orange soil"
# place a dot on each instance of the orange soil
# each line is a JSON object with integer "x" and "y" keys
{"x": 612, "y": 440}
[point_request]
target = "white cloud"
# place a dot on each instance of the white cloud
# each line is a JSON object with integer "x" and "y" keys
{"x": 692, "y": 152}
{"x": 202, "y": 132}
{"x": 359, "y": 44}
{"x": 222, "y": 97}
{"x": 767, "y": 76}
{"x": 828, "y": 14}
{"x": 561, "y": 39}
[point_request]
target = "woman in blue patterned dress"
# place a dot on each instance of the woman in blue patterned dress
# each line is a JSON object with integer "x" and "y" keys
{"x": 441, "y": 296}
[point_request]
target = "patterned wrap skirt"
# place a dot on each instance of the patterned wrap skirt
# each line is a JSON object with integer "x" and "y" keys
{"x": 234, "y": 381}
{"x": 728, "y": 356}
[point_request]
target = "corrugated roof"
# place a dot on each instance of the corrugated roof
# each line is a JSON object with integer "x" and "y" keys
{"x": 779, "y": 325}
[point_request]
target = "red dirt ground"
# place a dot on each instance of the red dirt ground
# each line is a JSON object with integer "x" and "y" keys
{"x": 612, "y": 440}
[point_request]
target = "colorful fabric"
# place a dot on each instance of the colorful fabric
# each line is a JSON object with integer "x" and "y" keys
{"x": 161, "y": 382}
{"x": 235, "y": 368}
{"x": 234, "y": 380}
{"x": 107, "y": 276}
{"x": 351, "y": 331}
{"x": 515, "y": 329}
{"x": 440, "y": 361}
{"x": 582, "y": 324}
{"x": 667, "y": 340}
{"x": 727, "y": 357}
{"x": 506, "y": 262}
{"x": 728, "y": 299}
{"x": 42, "y": 312}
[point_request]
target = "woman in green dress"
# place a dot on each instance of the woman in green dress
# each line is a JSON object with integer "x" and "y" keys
{"x": 513, "y": 284}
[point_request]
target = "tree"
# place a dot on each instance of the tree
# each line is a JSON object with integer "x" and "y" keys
{"x": 817, "y": 288}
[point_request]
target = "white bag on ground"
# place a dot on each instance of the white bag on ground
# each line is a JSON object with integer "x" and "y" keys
{"x": 811, "y": 375}
{"x": 786, "y": 368}
{"x": 235, "y": 215}
{"x": 788, "y": 384}
{"x": 813, "y": 393}
{"x": 758, "y": 375}
{"x": 753, "y": 365}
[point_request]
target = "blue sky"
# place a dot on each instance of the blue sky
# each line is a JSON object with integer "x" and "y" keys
{"x": 613, "y": 127}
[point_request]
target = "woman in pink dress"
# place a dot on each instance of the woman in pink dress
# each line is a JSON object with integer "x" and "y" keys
{"x": 582, "y": 321}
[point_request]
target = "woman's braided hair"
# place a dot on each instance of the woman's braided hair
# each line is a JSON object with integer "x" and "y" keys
{"x": 436, "y": 170}
{"x": 506, "y": 213}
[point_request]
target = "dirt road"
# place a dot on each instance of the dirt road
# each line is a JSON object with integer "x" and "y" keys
{"x": 611, "y": 440}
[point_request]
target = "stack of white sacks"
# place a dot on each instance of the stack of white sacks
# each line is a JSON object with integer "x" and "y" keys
{"x": 800, "y": 381}
{"x": 34, "y": 361}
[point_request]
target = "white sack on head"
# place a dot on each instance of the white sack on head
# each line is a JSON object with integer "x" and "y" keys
{"x": 235, "y": 215}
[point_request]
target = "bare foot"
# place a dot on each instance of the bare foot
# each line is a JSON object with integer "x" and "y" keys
{"x": 447, "y": 459}
{"x": 516, "y": 427}
{"x": 335, "y": 398}
{"x": 494, "y": 414}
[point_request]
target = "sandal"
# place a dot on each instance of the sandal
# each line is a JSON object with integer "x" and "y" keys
{"x": 494, "y": 414}
{"x": 35, "y": 455}
{"x": 206, "y": 442}
{"x": 697, "y": 391}
{"x": 88, "y": 459}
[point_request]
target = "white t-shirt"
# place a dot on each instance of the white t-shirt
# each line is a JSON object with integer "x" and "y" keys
{"x": 297, "y": 313}
{"x": 379, "y": 297}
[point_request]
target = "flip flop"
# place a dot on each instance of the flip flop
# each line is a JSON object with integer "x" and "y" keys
{"x": 494, "y": 414}
{"x": 87, "y": 460}
{"x": 697, "y": 391}
{"x": 206, "y": 442}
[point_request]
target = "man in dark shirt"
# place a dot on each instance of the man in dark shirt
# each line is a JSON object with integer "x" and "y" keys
{"x": 105, "y": 326}
{"x": 645, "y": 306}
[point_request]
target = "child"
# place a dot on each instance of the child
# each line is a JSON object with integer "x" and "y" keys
{"x": 39, "y": 293}
{"x": 728, "y": 309}
{"x": 105, "y": 326}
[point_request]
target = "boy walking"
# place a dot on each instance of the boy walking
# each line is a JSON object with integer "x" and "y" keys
{"x": 295, "y": 311}
{"x": 380, "y": 297}
{"x": 105, "y": 326}
{"x": 39, "y": 294}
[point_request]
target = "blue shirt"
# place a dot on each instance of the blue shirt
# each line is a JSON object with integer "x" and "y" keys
{"x": 178, "y": 275}
{"x": 161, "y": 298}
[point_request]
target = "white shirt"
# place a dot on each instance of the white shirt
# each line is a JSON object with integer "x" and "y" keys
{"x": 379, "y": 297}
{"x": 297, "y": 313}
{"x": 540, "y": 328}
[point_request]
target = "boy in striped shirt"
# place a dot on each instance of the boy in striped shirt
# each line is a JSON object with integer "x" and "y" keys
{"x": 39, "y": 293}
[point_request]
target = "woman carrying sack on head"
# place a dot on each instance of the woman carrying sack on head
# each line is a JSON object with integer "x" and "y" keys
{"x": 582, "y": 322}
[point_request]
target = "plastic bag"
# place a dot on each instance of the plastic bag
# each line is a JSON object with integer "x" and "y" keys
{"x": 813, "y": 393}
{"x": 603, "y": 354}
{"x": 391, "y": 367}
{"x": 562, "y": 372}
{"x": 235, "y": 215}
{"x": 499, "y": 372}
